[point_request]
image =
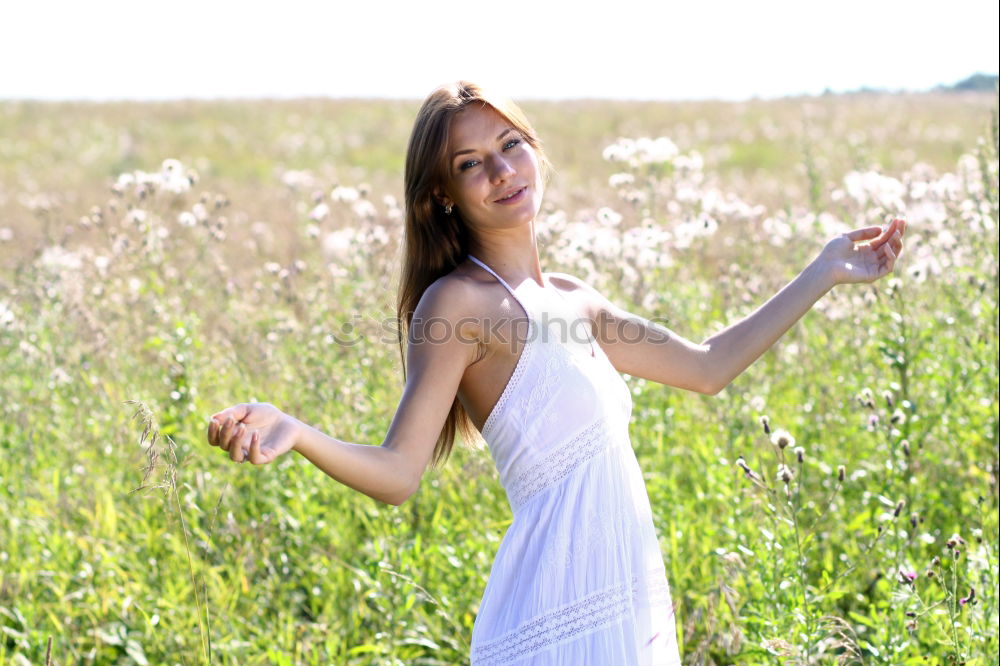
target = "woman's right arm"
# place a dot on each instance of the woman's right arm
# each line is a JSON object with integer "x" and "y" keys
{"x": 442, "y": 343}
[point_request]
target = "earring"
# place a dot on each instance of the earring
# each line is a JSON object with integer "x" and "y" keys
{"x": 447, "y": 209}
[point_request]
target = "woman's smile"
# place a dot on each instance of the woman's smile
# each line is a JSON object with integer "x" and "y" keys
{"x": 513, "y": 196}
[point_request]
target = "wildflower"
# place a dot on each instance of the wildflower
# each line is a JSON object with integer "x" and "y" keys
{"x": 887, "y": 396}
{"x": 800, "y": 454}
{"x": 841, "y": 473}
{"x": 657, "y": 150}
{"x": 749, "y": 473}
{"x": 866, "y": 399}
{"x": 621, "y": 151}
{"x": 782, "y": 438}
{"x": 319, "y": 212}
{"x": 136, "y": 216}
{"x": 898, "y": 417}
{"x": 174, "y": 178}
{"x": 56, "y": 259}
{"x": 914, "y": 519}
{"x": 907, "y": 577}
{"x": 364, "y": 209}
{"x": 608, "y": 217}
{"x": 200, "y": 212}
{"x": 911, "y": 625}
{"x": 187, "y": 219}
{"x": 766, "y": 424}
{"x": 906, "y": 448}
{"x": 971, "y": 597}
{"x": 621, "y": 180}
{"x": 6, "y": 316}
{"x": 899, "y": 507}
{"x": 344, "y": 194}
{"x": 297, "y": 180}
{"x": 784, "y": 473}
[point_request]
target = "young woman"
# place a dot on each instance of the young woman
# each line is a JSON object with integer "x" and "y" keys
{"x": 495, "y": 345}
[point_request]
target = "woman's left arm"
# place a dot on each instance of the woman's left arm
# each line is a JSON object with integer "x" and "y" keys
{"x": 732, "y": 350}
{"x": 658, "y": 354}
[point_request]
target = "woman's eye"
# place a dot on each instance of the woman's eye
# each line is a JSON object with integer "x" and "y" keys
{"x": 465, "y": 165}
{"x": 510, "y": 144}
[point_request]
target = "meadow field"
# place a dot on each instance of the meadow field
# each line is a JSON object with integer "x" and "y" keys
{"x": 836, "y": 504}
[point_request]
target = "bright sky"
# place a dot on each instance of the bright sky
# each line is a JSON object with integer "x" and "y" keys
{"x": 691, "y": 49}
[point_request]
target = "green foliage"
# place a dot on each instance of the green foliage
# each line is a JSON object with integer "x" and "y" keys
{"x": 133, "y": 541}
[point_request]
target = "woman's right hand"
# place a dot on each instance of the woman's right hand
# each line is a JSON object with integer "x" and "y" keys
{"x": 257, "y": 431}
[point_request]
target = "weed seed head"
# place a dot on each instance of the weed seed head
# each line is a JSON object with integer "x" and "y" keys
{"x": 887, "y": 396}
{"x": 866, "y": 398}
{"x": 782, "y": 438}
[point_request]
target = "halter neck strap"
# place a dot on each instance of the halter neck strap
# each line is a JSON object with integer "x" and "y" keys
{"x": 493, "y": 273}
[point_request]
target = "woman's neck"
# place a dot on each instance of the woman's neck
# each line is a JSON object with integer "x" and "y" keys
{"x": 515, "y": 260}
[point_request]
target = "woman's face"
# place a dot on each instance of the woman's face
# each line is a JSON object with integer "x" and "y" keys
{"x": 493, "y": 175}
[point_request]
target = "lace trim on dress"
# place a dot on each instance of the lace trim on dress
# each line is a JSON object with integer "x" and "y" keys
{"x": 522, "y": 359}
{"x": 557, "y": 465}
{"x": 515, "y": 377}
{"x": 576, "y": 619}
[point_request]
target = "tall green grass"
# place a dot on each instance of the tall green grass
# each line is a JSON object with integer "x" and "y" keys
{"x": 127, "y": 539}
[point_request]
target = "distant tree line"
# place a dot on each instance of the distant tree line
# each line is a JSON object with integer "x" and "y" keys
{"x": 978, "y": 81}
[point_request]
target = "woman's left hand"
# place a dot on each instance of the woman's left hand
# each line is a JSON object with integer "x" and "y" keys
{"x": 864, "y": 255}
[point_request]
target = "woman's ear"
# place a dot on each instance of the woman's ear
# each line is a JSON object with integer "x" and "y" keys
{"x": 441, "y": 197}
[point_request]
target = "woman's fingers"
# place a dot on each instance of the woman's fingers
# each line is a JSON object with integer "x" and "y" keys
{"x": 229, "y": 434}
{"x": 893, "y": 233}
{"x": 888, "y": 260}
{"x": 239, "y": 443}
{"x": 255, "y": 455}
{"x": 232, "y": 431}
{"x": 864, "y": 234}
{"x": 213, "y": 432}
{"x": 236, "y": 412}
{"x": 897, "y": 243}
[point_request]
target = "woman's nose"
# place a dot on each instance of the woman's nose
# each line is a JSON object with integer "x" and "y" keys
{"x": 500, "y": 169}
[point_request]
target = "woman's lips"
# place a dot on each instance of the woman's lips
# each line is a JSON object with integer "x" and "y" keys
{"x": 517, "y": 196}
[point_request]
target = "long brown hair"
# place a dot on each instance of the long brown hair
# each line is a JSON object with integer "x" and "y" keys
{"x": 435, "y": 242}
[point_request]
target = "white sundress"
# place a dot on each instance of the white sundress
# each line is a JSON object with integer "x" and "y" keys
{"x": 578, "y": 578}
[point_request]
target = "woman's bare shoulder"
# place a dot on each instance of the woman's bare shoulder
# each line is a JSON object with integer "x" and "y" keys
{"x": 594, "y": 301}
{"x": 460, "y": 293}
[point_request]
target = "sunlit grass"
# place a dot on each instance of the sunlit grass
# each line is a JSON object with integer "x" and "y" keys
{"x": 232, "y": 288}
